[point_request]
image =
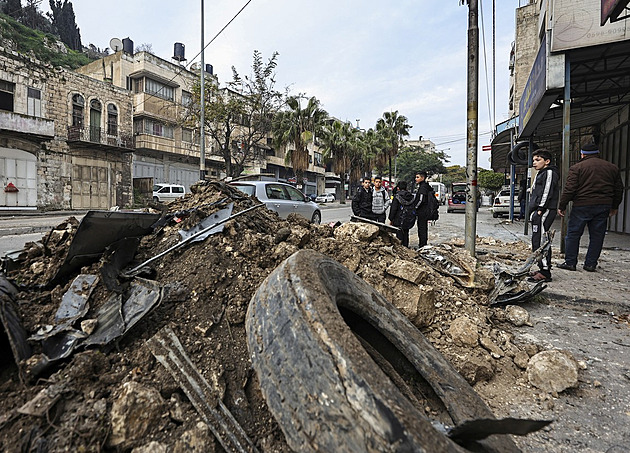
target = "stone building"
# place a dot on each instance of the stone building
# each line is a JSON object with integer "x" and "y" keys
{"x": 65, "y": 138}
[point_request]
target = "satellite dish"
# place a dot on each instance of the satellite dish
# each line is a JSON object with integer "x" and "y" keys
{"x": 115, "y": 44}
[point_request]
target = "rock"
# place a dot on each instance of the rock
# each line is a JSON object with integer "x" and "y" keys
{"x": 89, "y": 325}
{"x": 300, "y": 236}
{"x": 517, "y": 315}
{"x": 552, "y": 371}
{"x": 136, "y": 410}
{"x": 408, "y": 270}
{"x": 463, "y": 331}
{"x": 196, "y": 440}
{"x": 282, "y": 235}
{"x": 151, "y": 447}
{"x": 356, "y": 231}
{"x": 489, "y": 345}
{"x": 476, "y": 368}
{"x": 416, "y": 302}
{"x": 521, "y": 359}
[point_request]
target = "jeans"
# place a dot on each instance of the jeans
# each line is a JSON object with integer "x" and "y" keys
{"x": 596, "y": 217}
{"x": 540, "y": 226}
{"x": 423, "y": 231}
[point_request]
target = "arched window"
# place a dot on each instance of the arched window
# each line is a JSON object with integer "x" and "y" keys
{"x": 95, "y": 120}
{"x": 78, "y": 104}
{"x": 112, "y": 119}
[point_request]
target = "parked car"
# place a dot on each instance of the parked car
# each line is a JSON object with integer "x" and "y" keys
{"x": 501, "y": 205}
{"x": 281, "y": 198}
{"x": 163, "y": 193}
{"x": 325, "y": 198}
{"x": 457, "y": 199}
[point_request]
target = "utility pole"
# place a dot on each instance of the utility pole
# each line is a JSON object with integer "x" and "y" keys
{"x": 472, "y": 126}
{"x": 202, "y": 118}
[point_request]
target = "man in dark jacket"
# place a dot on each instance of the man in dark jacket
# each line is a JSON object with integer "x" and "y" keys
{"x": 403, "y": 199}
{"x": 423, "y": 190}
{"x": 596, "y": 190}
{"x": 542, "y": 208}
{"x": 362, "y": 201}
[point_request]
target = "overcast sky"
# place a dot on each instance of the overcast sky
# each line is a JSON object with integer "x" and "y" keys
{"x": 360, "y": 58}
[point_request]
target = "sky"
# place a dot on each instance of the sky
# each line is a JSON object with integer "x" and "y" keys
{"x": 360, "y": 58}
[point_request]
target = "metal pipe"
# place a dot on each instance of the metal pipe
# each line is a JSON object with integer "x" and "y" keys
{"x": 566, "y": 142}
{"x": 202, "y": 119}
{"x": 472, "y": 117}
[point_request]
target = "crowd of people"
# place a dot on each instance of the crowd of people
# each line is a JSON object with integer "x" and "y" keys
{"x": 593, "y": 185}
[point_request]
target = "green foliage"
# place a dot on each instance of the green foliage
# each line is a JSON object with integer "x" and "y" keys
{"x": 412, "y": 159}
{"x": 454, "y": 173}
{"x": 42, "y": 46}
{"x": 64, "y": 23}
{"x": 488, "y": 179}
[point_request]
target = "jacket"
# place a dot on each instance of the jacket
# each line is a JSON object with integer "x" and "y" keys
{"x": 362, "y": 203}
{"x": 420, "y": 199}
{"x": 404, "y": 198}
{"x": 380, "y": 201}
{"x": 545, "y": 190}
{"x": 592, "y": 181}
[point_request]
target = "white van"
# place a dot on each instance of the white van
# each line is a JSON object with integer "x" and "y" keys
{"x": 440, "y": 191}
{"x": 163, "y": 193}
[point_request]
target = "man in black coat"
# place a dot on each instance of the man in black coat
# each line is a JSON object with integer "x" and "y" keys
{"x": 362, "y": 201}
{"x": 423, "y": 190}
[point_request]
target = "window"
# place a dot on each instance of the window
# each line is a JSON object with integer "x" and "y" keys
{"x": 6, "y": 95}
{"x": 33, "y": 102}
{"x": 187, "y": 135}
{"x": 158, "y": 89}
{"x": 186, "y": 98}
{"x": 153, "y": 127}
{"x": 77, "y": 110}
{"x": 112, "y": 119}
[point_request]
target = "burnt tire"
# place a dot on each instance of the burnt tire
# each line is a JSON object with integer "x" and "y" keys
{"x": 519, "y": 153}
{"x": 322, "y": 385}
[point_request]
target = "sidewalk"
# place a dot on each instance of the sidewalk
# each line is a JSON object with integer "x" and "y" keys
{"x": 609, "y": 286}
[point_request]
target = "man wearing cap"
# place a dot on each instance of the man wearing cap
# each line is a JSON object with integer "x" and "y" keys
{"x": 595, "y": 188}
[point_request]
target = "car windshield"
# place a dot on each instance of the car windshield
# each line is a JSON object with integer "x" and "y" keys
{"x": 246, "y": 188}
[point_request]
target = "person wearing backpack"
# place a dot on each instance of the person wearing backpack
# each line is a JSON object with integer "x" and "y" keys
{"x": 402, "y": 213}
{"x": 426, "y": 206}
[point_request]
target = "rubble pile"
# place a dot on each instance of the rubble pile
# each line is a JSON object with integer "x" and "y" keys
{"x": 117, "y": 396}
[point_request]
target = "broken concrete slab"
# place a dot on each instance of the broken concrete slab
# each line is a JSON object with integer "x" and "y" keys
{"x": 552, "y": 371}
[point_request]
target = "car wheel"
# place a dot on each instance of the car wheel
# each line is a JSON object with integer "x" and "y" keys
{"x": 156, "y": 200}
{"x": 496, "y": 214}
{"x": 327, "y": 349}
{"x": 317, "y": 218}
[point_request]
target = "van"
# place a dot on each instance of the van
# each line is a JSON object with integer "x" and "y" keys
{"x": 440, "y": 191}
{"x": 163, "y": 193}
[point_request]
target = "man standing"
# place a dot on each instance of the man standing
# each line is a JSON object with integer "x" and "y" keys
{"x": 362, "y": 201}
{"x": 380, "y": 200}
{"x": 595, "y": 188}
{"x": 423, "y": 191}
{"x": 542, "y": 208}
{"x": 402, "y": 213}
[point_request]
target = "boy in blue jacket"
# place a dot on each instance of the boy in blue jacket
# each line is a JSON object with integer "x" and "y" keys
{"x": 542, "y": 207}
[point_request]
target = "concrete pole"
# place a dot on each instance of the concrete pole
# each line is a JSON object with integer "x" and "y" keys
{"x": 566, "y": 142}
{"x": 202, "y": 116}
{"x": 472, "y": 126}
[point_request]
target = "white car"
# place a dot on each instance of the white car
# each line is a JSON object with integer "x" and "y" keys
{"x": 325, "y": 198}
{"x": 501, "y": 205}
{"x": 282, "y": 198}
{"x": 167, "y": 192}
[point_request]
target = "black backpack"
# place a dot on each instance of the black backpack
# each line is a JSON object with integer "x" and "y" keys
{"x": 407, "y": 214}
{"x": 433, "y": 206}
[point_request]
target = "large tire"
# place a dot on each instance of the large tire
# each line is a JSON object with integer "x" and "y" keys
{"x": 519, "y": 153}
{"x": 306, "y": 329}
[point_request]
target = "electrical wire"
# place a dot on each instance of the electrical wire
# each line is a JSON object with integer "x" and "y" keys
{"x": 485, "y": 60}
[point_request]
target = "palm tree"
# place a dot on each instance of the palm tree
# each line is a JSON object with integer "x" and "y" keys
{"x": 338, "y": 142}
{"x": 393, "y": 127}
{"x": 297, "y": 126}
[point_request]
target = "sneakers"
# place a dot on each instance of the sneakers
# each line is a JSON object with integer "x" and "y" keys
{"x": 566, "y": 266}
{"x": 538, "y": 277}
{"x": 589, "y": 268}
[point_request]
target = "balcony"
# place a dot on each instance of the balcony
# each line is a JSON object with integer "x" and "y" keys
{"x": 99, "y": 136}
{"x": 24, "y": 124}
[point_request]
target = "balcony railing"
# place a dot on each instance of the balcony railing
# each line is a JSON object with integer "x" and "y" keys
{"x": 99, "y": 136}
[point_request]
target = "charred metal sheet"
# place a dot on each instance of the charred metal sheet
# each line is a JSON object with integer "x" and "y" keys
{"x": 74, "y": 301}
{"x": 11, "y": 322}
{"x": 381, "y": 226}
{"x": 116, "y": 257}
{"x": 62, "y": 345}
{"x": 110, "y": 322}
{"x": 216, "y": 219}
{"x": 99, "y": 229}
{"x": 472, "y": 430}
{"x": 168, "y": 350}
{"x": 461, "y": 272}
{"x": 136, "y": 270}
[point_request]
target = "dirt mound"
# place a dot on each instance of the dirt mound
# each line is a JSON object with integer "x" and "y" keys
{"x": 87, "y": 400}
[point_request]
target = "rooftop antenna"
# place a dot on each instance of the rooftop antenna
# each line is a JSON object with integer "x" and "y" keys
{"x": 115, "y": 44}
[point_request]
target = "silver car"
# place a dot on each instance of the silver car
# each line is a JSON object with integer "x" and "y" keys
{"x": 282, "y": 198}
